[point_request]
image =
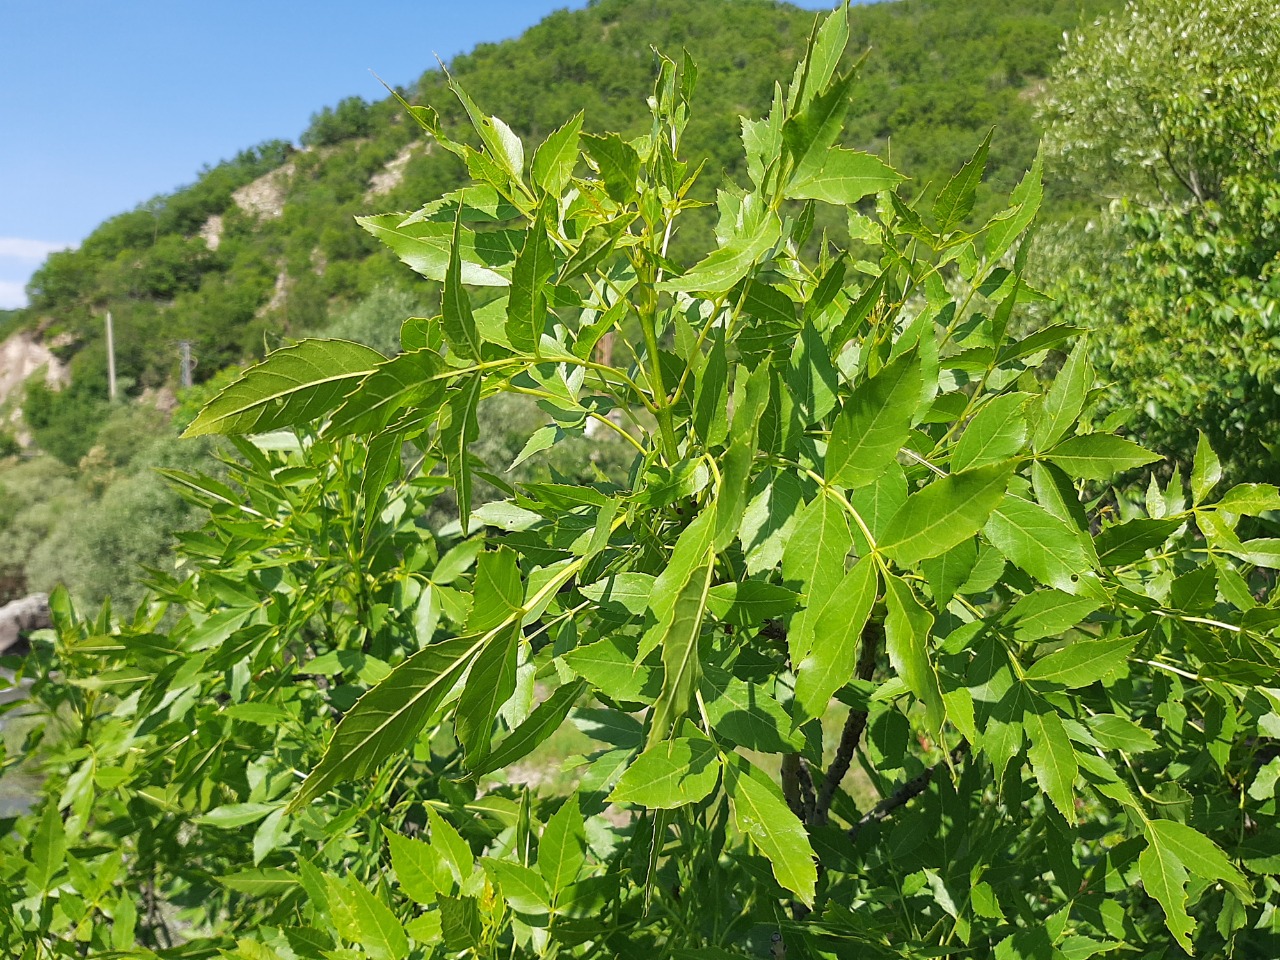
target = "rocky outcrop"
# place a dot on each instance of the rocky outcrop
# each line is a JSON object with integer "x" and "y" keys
{"x": 21, "y": 356}
{"x": 20, "y": 618}
{"x": 389, "y": 177}
{"x": 265, "y": 196}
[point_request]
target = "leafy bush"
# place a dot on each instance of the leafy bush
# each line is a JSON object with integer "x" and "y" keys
{"x": 851, "y": 531}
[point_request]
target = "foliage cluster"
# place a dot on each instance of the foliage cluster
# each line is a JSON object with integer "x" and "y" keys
{"x": 851, "y": 491}
{"x": 292, "y": 274}
{"x": 1175, "y": 107}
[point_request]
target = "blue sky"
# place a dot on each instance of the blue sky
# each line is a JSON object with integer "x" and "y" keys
{"x": 105, "y": 104}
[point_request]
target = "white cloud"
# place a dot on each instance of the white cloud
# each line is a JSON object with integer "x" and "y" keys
{"x": 20, "y": 248}
{"x": 12, "y": 295}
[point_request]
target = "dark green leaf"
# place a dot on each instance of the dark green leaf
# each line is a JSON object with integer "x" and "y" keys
{"x": 944, "y": 513}
{"x": 874, "y": 422}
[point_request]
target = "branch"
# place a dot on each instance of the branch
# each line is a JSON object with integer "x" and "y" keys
{"x": 905, "y": 793}
{"x": 854, "y": 725}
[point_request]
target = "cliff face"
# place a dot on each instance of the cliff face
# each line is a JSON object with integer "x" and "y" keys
{"x": 22, "y": 356}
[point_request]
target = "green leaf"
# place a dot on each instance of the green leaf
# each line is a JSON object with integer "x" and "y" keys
{"x": 460, "y": 922}
{"x": 811, "y": 377}
{"x": 955, "y": 201}
{"x": 679, "y": 635}
{"x": 1206, "y": 470}
{"x": 428, "y": 247}
{"x": 390, "y": 716}
{"x": 944, "y": 513}
{"x": 563, "y": 848}
{"x": 769, "y": 519}
{"x": 814, "y": 559}
{"x": 1264, "y": 552}
{"x": 542, "y": 722}
{"x": 1120, "y": 733}
{"x": 711, "y": 399}
{"x": 1250, "y": 499}
{"x": 1006, "y": 227}
{"x": 874, "y": 422}
{"x": 48, "y": 849}
{"x": 746, "y": 714}
{"x": 291, "y": 387}
{"x": 269, "y": 882}
{"x": 670, "y": 773}
{"x": 453, "y": 850}
{"x": 1053, "y": 759}
{"x": 490, "y": 684}
{"x": 463, "y": 430}
{"x": 1099, "y": 456}
{"x": 906, "y": 632}
{"x": 810, "y": 133}
{"x": 631, "y": 591}
{"x": 830, "y": 662}
{"x": 748, "y": 603}
{"x": 845, "y": 177}
{"x": 381, "y": 934}
{"x": 456, "y": 318}
{"x": 1083, "y": 662}
{"x": 760, "y": 812}
{"x": 406, "y": 380}
{"x": 1048, "y": 613}
{"x": 553, "y": 162}
{"x": 611, "y": 668}
{"x": 724, "y": 267}
{"x": 527, "y": 305}
{"x": 618, "y": 162}
{"x": 1129, "y": 542}
{"x": 1038, "y": 542}
{"x": 421, "y": 873}
{"x": 519, "y": 885}
{"x": 498, "y": 592}
{"x": 826, "y": 47}
{"x": 1065, "y": 399}
{"x": 232, "y": 815}
{"x": 997, "y": 432}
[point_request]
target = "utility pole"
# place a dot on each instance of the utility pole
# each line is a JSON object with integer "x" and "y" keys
{"x": 187, "y": 364}
{"x": 111, "y": 360}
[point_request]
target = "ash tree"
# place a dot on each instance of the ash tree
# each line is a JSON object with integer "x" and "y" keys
{"x": 850, "y": 666}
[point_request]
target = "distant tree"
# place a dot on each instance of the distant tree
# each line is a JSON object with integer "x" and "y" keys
{"x": 350, "y": 119}
{"x": 1172, "y": 110}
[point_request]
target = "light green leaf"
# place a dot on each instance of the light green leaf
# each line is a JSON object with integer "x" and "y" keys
{"x": 944, "y": 513}
{"x": 748, "y": 715}
{"x": 563, "y": 848}
{"x": 1120, "y": 733}
{"x": 448, "y": 843}
{"x": 1065, "y": 399}
{"x": 760, "y": 812}
{"x": 388, "y": 718}
{"x": 814, "y": 558}
{"x": 811, "y": 376}
{"x": 1052, "y": 758}
{"x": 997, "y": 432}
{"x": 48, "y": 849}
{"x": 519, "y": 885}
{"x": 545, "y": 720}
{"x": 1250, "y": 499}
{"x": 723, "y": 268}
{"x": 610, "y": 666}
{"x": 1083, "y": 662}
{"x": 679, "y": 643}
{"x": 456, "y": 318}
{"x": 291, "y": 387}
{"x": 810, "y": 134}
{"x": 670, "y": 774}
{"x": 1173, "y": 851}
{"x": 1007, "y": 226}
{"x": 826, "y": 47}
{"x": 426, "y": 248}
{"x": 1038, "y": 542}
{"x": 1264, "y": 552}
{"x": 1099, "y": 456}
{"x": 231, "y": 815}
{"x": 421, "y": 872}
{"x": 845, "y": 177}
{"x": 955, "y": 201}
{"x": 1128, "y": 542}
{"x": 381, "y": 934}
{"x": 1206, "y": 470}
{"x": 631, "y": 591}
{"x": 527, "y": 305}
{"x": 490, "y": 684}
{"x": 271, "y": 882}
{"x": 748, "y": 603}
{"x": 769, "y": 519}
{"x": 906, "y": 631}
{"x": 618, "y": 162}
{"x": 1048, "y": 613}
{"x": 830, "y": 662}
{"x": 874, "y": 422}
{"x": 553, "y": 162}
{"x": 406, "y": 380}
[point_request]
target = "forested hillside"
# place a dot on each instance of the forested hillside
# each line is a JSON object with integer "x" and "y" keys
{"x": 236, "y": 275}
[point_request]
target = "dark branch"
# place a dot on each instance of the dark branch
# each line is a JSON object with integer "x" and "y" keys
{"x": 854, "y": 725}
{"x": 904, "y": 794}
